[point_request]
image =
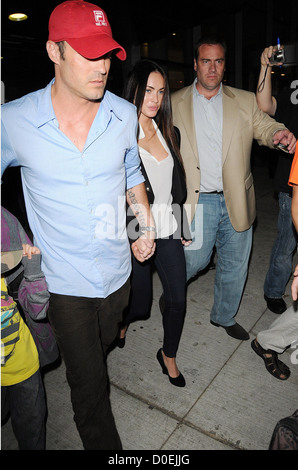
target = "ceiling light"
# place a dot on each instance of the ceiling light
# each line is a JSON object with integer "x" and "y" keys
{"x": 18, "y": 17}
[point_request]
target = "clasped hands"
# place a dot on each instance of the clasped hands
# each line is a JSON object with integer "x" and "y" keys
{"x": 144, "y": 247}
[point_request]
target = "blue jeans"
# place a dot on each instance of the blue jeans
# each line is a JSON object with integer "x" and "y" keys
{"x": 26, "y": 404}
{"x": 211, "y": 227}
{"x": 280, "y": 267}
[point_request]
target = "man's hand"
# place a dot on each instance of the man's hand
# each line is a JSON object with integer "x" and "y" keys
{"x": 294, "y": 287}
{"x": 286, "y": 138}
{"x": 143, "y": 248}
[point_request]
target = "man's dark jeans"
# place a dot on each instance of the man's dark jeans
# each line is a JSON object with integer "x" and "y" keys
{"x": 84, "y": 329}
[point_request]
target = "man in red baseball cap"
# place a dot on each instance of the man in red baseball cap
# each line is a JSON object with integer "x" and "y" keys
{"x": 86, "y": 29}
{"x": 77, "y": 148}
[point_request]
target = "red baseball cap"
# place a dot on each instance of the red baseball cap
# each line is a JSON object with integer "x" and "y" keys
{"x": 86, "y": 29}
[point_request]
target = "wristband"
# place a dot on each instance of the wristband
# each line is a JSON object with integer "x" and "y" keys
{"x": 147, "y": 229}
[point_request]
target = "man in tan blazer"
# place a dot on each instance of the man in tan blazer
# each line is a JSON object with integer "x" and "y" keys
{"x": 217, "y": 125}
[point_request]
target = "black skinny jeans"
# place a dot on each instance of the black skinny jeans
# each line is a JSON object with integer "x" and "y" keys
{"x": 84, "y": 329}
{"x": 169, "y": 261}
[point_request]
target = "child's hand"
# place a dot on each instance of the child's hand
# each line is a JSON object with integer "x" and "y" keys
{"x": 29, "y": 250}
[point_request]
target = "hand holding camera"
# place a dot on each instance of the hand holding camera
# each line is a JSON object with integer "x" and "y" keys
{"x": 278, "y": 56}
{"x": 273, "y": 55}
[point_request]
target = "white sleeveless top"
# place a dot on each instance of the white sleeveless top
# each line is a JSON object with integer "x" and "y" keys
{"x": 160, "y": 175}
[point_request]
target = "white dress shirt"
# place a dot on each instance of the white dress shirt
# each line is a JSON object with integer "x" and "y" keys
{"x": 208, "y": 126}
{"x": 160, "y": 174}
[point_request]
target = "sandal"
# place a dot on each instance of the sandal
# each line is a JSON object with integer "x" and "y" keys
{"x": 274, "y": 366}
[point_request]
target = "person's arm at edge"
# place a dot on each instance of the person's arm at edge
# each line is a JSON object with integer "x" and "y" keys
{"x": 265, "y": 100}
{"x": 295, "y": 206}
{"x": 294, "y": 211}
{"x": 143, "y": 248}
{"x": 294, "y": 287}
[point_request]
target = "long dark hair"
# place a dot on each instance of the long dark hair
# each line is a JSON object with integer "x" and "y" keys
{"x": 134, "y": 91}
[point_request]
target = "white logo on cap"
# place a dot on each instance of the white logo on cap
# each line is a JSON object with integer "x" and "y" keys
{"x": 99, "y": 18}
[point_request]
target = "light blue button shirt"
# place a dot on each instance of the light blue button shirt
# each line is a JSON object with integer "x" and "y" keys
{"x": 75, "y": 200}
{"x": 208, "y": 125}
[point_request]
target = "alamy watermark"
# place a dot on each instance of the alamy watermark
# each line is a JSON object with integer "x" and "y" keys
{"x": 110, "y": 223}
{"x": 294, "y": 354}
{"x": 294, "y": 94}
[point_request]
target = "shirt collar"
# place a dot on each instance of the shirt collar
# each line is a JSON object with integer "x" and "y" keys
{"x": 45, "y": 110}
{"x": 46, "y": 113}
{"x": 199, "y": 95}
{"x": 142, "y": 133}
{"x": 109, "y": 105}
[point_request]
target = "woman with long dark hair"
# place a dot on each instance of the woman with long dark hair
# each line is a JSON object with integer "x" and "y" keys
{"x": 158, "y": 140}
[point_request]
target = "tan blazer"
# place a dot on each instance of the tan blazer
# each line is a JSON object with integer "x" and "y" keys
{"x": 243, "y": 121}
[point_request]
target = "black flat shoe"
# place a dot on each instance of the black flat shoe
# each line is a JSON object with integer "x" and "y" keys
{"x": 236, "y": 331}
{"x": 121, "y": 342}
{"x": 276, "y": 305}
{"x": 177, "y": 381}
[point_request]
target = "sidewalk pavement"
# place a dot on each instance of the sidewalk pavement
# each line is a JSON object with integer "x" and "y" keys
{"x": 230, "y": 401}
